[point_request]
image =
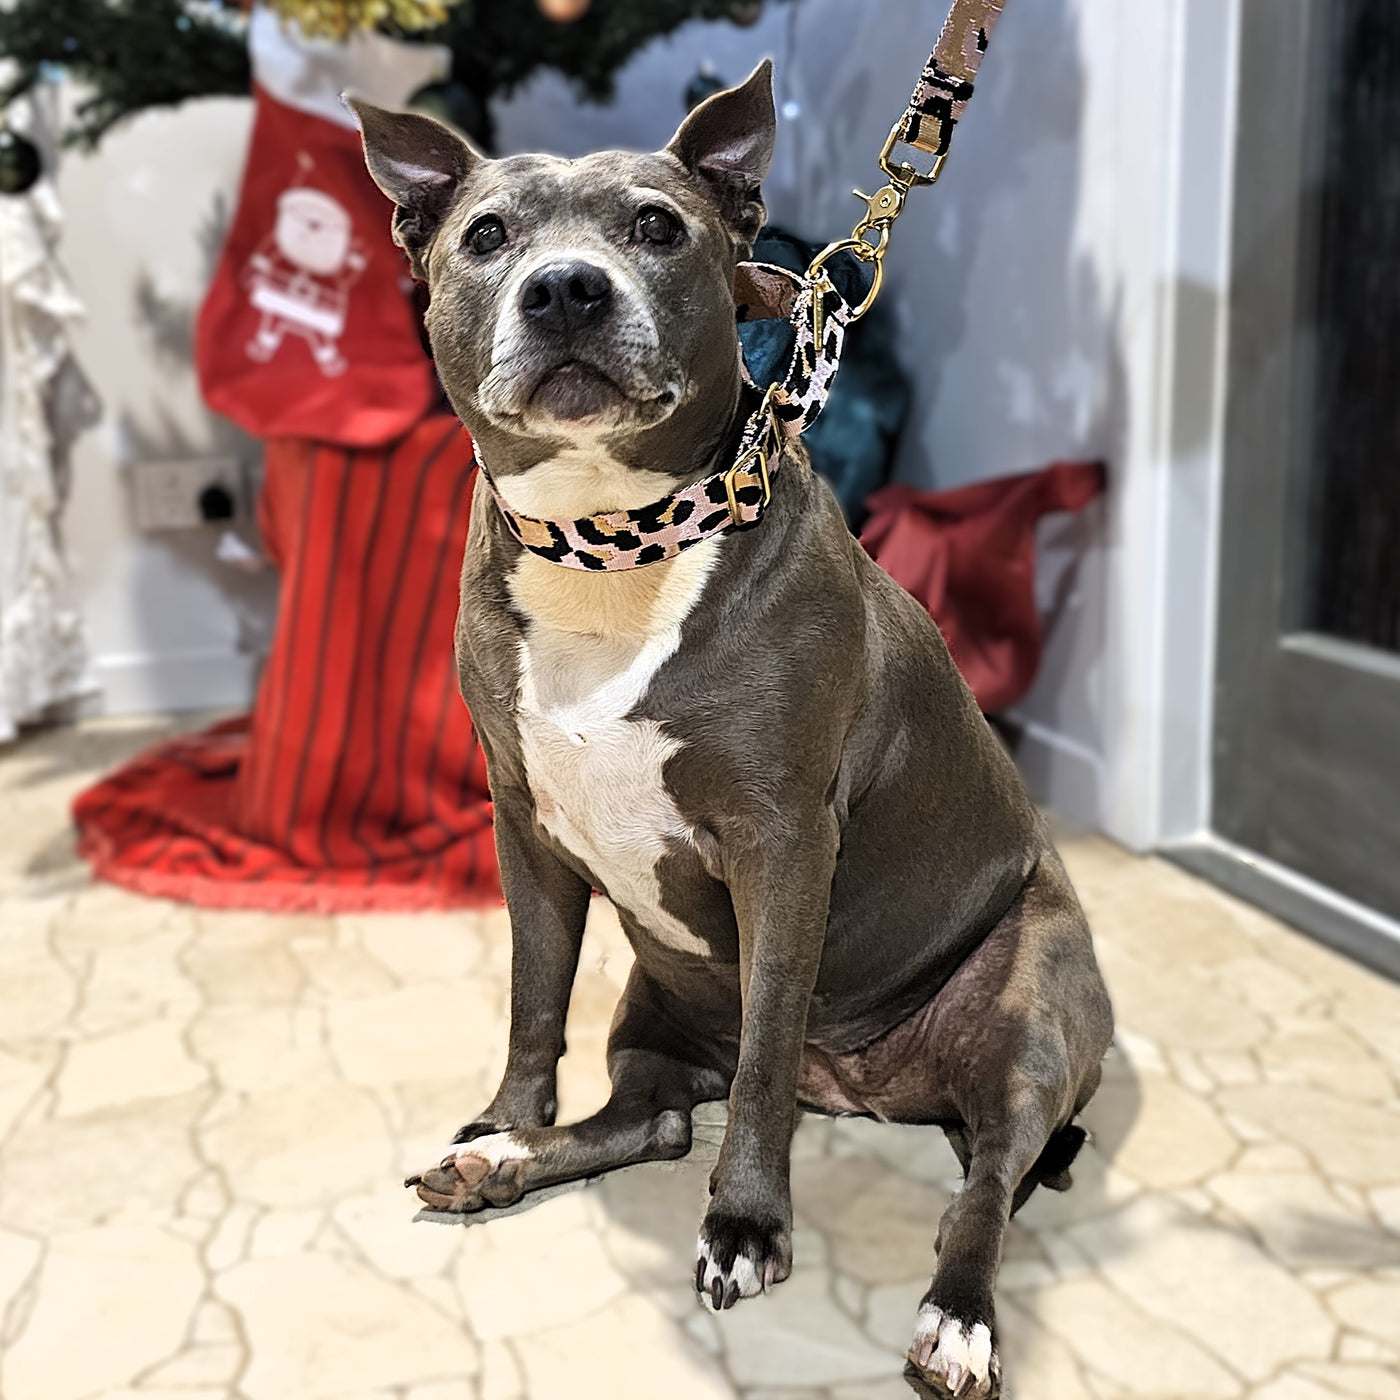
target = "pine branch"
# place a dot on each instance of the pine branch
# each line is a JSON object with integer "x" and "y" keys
{"x": 499, "y": 44}
{"x": 130, "y": 54}
{"x": 134, "y": 54}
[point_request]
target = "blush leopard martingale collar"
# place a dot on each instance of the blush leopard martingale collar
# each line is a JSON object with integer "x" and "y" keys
{"x": 736, "y": 498}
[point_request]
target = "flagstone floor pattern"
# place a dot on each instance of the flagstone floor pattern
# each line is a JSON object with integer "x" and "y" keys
{"x": 204, "y": 1117}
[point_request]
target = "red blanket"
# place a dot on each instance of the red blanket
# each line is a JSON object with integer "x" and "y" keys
{"x": 357, "y": 782}
{"x": 969, "y": 557}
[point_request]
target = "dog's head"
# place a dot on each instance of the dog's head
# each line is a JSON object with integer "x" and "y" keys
{"x": 587, "y": 299}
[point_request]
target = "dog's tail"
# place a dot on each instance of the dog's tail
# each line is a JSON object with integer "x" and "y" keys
{"x": 1051, "y": 1168}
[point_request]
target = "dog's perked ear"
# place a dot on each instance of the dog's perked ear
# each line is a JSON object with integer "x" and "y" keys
{"x": 726, "y": 144}
{"x": 420, "y": 164}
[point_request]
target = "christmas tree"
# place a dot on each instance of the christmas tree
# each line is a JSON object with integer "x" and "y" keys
{"x": 135, "y": 54}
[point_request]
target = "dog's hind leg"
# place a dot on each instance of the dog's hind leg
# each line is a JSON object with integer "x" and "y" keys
{"x": 954, "y": 1346}
{"x": 655, "y": 1084}
{"x": 1018, "y": 1034}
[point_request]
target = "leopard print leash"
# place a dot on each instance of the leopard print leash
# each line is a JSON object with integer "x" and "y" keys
{"x": 945, "y": 87}
{"x": 736, "y": 498}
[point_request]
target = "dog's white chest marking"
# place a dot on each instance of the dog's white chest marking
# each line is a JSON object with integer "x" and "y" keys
{"x": 591, "y": 647}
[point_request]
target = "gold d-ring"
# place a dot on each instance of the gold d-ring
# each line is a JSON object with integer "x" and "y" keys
{"x": 869, "y": 253}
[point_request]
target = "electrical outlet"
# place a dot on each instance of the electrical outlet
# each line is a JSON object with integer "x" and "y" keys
{"x": 187, "y": 493}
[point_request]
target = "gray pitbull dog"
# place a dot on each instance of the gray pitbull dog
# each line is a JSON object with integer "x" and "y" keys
{"x": 837, "y": 891}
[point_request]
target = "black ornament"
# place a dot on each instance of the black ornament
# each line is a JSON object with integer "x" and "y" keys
{"x": 705, "y": 83}
{"x": 20, "y": 162}
{"x": 455, "y": 103}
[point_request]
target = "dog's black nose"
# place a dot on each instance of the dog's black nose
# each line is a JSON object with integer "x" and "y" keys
{"x": 563, "y": 298}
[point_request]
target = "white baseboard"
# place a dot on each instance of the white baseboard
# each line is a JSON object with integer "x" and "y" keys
{"x": 1060, "y": 772}
{"x": 134, "y": 683}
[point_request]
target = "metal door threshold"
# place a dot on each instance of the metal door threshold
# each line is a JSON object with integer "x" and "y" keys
{"x": 1362, "y": 934}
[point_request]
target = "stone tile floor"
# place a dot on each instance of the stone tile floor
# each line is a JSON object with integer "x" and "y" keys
{"x": 204, "y": 1116}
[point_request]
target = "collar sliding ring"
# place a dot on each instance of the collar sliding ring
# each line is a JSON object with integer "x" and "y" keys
{"x": 761, "y": 452}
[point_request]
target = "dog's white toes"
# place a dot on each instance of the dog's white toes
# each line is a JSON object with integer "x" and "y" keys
{"x": 469, "y": 1175}
{"x": 721, "y": 1287}
{"x": 956, "y": 1354}
{"x": 739, "y": 1255}
{"x": 494, "y": 1149}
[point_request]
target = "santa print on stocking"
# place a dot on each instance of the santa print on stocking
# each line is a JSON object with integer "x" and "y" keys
{"x": 309, "y": 328}
{"x": 300, "y": 277}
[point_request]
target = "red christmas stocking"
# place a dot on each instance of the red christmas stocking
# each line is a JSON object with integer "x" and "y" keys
{"x": 309, "y": 328}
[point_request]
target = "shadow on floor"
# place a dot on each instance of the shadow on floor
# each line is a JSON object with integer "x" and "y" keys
{"x": 52, "y": 752}
{"x": 867, "y": 1200}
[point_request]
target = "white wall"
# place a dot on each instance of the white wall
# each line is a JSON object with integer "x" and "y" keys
{"x": 1058, "y": 295}
{"x": 170, "y": 627}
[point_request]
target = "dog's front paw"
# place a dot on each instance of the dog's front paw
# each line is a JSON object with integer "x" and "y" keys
{"x": 954, "y": 1358}
{"x": 485, "y": 1171}
{"x": 739, "y": 1257}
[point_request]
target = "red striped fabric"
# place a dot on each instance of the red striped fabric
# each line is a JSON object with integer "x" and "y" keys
{"x": 357, "y": 782}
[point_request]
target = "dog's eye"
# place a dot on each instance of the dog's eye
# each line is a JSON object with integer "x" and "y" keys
{"x": 658, "y": 226}
{"x": 485, "y": 235}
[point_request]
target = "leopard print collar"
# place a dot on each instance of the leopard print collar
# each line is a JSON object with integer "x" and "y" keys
{"x": 736, "y": 498}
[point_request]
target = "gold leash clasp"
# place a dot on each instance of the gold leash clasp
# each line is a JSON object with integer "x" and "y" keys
{"x": 900, "y": 171}
{"x": 881, "y": 210}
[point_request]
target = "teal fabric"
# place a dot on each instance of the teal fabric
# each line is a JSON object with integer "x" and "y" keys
{"x": 852, "y": 443}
